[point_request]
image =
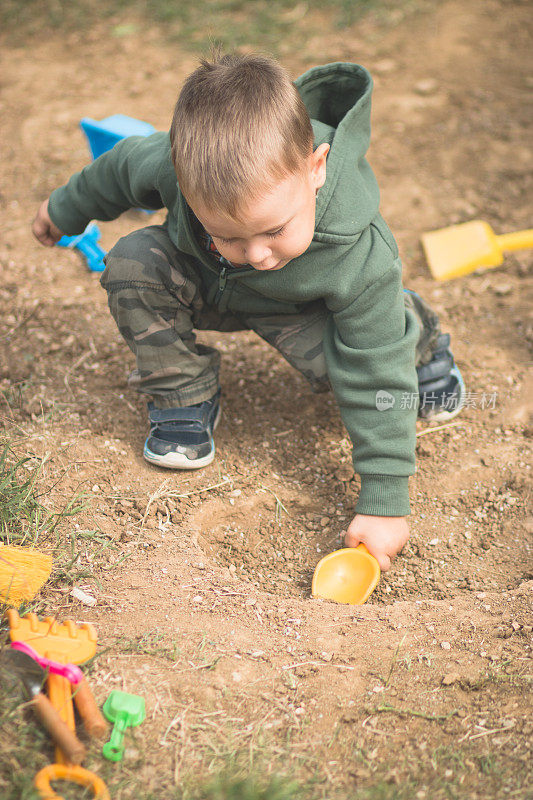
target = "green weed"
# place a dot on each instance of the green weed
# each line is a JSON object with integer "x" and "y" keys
{"x": 24, "y": 520}
{"x": 232, "y": 23}
{"x": 148, "y": 644}
{"x": 248, "y": 788}
{"x": 21, "y": 743}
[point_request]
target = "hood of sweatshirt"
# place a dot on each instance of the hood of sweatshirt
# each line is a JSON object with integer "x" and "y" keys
{"x": 338, "y": 97}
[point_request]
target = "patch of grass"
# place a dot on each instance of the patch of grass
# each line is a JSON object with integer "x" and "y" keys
{"x": 233, "y": 23}
{"x": 236, "y": 23}
{"x": 382, "y": 790}
{"x": 24, "y": 520}
{"x": 280, "y": 508}
{"x": 248, "y": 788}
{"x": 487, "y": 764}
{"x": 69, "y": 570}
{"x": 13, "y": 397}
{"x": 413, "y": 712}
{"x": 32, "y": 15}
{"x": 148, "y": 644}
{"x": 22, "y": 743}
{"x": 507, "y": 672}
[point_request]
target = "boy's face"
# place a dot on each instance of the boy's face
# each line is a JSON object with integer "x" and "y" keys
{"x": 275, "y": 227}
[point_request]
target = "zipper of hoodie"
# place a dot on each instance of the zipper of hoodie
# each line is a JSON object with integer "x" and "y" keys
{"x": 226, "y": 272}
{"x": 222, "y": 281}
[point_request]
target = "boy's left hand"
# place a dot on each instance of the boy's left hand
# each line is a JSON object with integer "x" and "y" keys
{"x": 383, "y": 537}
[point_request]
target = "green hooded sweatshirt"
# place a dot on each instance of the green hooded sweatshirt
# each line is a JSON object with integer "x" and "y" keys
{"x": 352, "y": 264}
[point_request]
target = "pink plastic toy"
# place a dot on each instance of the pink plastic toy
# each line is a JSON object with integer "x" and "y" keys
{"x": 71, "y": 672}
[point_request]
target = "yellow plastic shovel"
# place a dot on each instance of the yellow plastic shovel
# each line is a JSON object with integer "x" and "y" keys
{"x": 460, "y": 249}
{"x": 349, "y": 575}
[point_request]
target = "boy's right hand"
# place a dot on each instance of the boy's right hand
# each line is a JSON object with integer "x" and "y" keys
{"x": 383, "y": 537}
{"x": 43, "y": 228}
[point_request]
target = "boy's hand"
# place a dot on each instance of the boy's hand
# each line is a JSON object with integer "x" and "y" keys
{"x": 383, "y": 537}
{"x": 43, "y": 228}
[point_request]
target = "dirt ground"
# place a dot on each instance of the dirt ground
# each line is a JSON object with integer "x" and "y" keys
{"x": 202, "y": 579}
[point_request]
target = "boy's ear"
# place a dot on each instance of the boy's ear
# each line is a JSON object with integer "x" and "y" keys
{"x": 318, "y": 165}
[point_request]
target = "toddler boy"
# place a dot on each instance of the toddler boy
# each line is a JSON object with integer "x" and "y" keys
{"x": 273, "y": 225}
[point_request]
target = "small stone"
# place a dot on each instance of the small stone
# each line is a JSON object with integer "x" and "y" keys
{"x": 232, "y": 568}
{"x": 450, "y": 678}
{"x": 528, "y": 525}
{"x": 326, "y": 656}
{"x": 426, "y": 86}
{"x": 83, "y": 597}
{"x": 502, "y": 289}
{"x": 344, "y": 473}
{"x": 384, "y": 66}
{"x": 446, "y": 645}
{"x": 95, "y": 488}
{"x": 425, "y": 448}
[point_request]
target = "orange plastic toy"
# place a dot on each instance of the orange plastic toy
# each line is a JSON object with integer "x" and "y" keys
{"x": 349, "y": 575}
{"x": 65, "y": 643}
{"x": 62, "y": 772}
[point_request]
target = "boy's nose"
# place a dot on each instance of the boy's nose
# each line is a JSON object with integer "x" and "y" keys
{"x": 256, "y": 253}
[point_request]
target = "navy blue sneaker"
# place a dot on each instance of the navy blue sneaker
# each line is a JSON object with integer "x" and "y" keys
{"x": 182, "y": 438}
{"x": 441, "y": 387}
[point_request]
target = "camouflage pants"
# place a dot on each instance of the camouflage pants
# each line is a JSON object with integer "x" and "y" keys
{"x": 155, "y": 295}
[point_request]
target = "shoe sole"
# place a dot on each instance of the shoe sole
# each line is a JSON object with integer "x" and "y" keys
{"x": 444, "y": 415}
{"x": 180, "y": 460}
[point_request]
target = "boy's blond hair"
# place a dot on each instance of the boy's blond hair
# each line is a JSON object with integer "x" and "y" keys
{"x": 239, "y": 127}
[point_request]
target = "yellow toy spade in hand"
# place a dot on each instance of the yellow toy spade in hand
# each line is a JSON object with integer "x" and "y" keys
{"x": 349, "y": 575}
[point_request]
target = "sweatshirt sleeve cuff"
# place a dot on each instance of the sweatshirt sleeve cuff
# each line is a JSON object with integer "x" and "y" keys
{"x": 64, "y": 215}
{"x": 384, "y": 496}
